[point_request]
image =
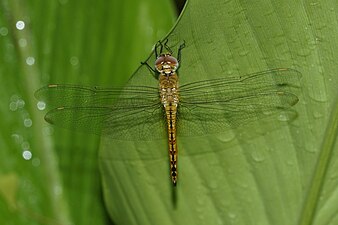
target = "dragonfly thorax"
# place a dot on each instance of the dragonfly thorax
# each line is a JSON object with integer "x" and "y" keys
{"x": 166, "y": 64}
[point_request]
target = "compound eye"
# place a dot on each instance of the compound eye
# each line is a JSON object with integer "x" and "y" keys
{"x": 166, "y": 63}
{"x": 160, "y": 60}
{"x": 171, "y": 60}
{"x": 166, "y": 59}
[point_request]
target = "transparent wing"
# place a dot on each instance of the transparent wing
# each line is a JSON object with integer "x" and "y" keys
{"x": 211, "y": 106}
{"x": 131, "y": 113}
{"x": 57, "y": 95}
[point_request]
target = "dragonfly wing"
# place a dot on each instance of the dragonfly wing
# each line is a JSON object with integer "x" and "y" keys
{"x": 218, "y": 105}
{"x": 57, "y": 95}
{"x": 131, "y": 113}
{"x": 284, "y": 78}
{"x": 117, "y": 123}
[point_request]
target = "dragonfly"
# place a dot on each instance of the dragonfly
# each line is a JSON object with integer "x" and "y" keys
{"x": 170, "y": 110}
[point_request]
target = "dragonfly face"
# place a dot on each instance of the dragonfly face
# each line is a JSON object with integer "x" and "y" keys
{"x": 166, "y": 64}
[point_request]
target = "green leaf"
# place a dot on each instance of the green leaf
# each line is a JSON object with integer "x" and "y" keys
{"x": 78, "y": 42}
{"x": 267, "y": 174}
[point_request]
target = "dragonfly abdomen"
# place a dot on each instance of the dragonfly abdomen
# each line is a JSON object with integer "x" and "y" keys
{"x": 171, "y": 121}
{"x": 168, "y": 86}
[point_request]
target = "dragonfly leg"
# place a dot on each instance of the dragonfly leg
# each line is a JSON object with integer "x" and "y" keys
{"x": 179, "y": 51}
{"x": 160, "y": 45}
{"x": 152, "y": 70}
{"x": 167, "y": 47}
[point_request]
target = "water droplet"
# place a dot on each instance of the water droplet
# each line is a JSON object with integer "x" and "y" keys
{"x": 226, "y": 137}
{"x": 48, "y": 130}
{"x": 257, "y": 156}
{"x": 317, "y": 114}
{"x": 20, "y": 25}
{"x": 243, "y": 53}
{"x": 20, "y": 103}
{"x": 27, "y": 122}
{"x": 3, "y": 31}
{"x": 25, "y": 145}
{"x": 22, "y": 42}
{"x": 311, "y": 149}
{"x": 27, "y": 155}
{"x": 284, "y": 117}
{"x": 17, "y": 138}
{"x": 30, "y": 61}
{"x": 36, "y": 162}
{"x": 232, "y": 215}
{"x": 267, "y": 113}
{"x": 74, "y": 60}
{"x": 41, "y": 105}
{"x": 14, "y": 98}
{"x": 318, "y": 39}
{"x": 314, "y": 3}
{"x": 304, "y": 52}
{"x": 16, "y": 103}
{"x": 12, "y": 106}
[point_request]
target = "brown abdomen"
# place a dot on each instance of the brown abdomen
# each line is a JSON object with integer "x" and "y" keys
{"x": 171, "y": 120}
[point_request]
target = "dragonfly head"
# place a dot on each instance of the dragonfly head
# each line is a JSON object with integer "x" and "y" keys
{"x": 166, "y": 63}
